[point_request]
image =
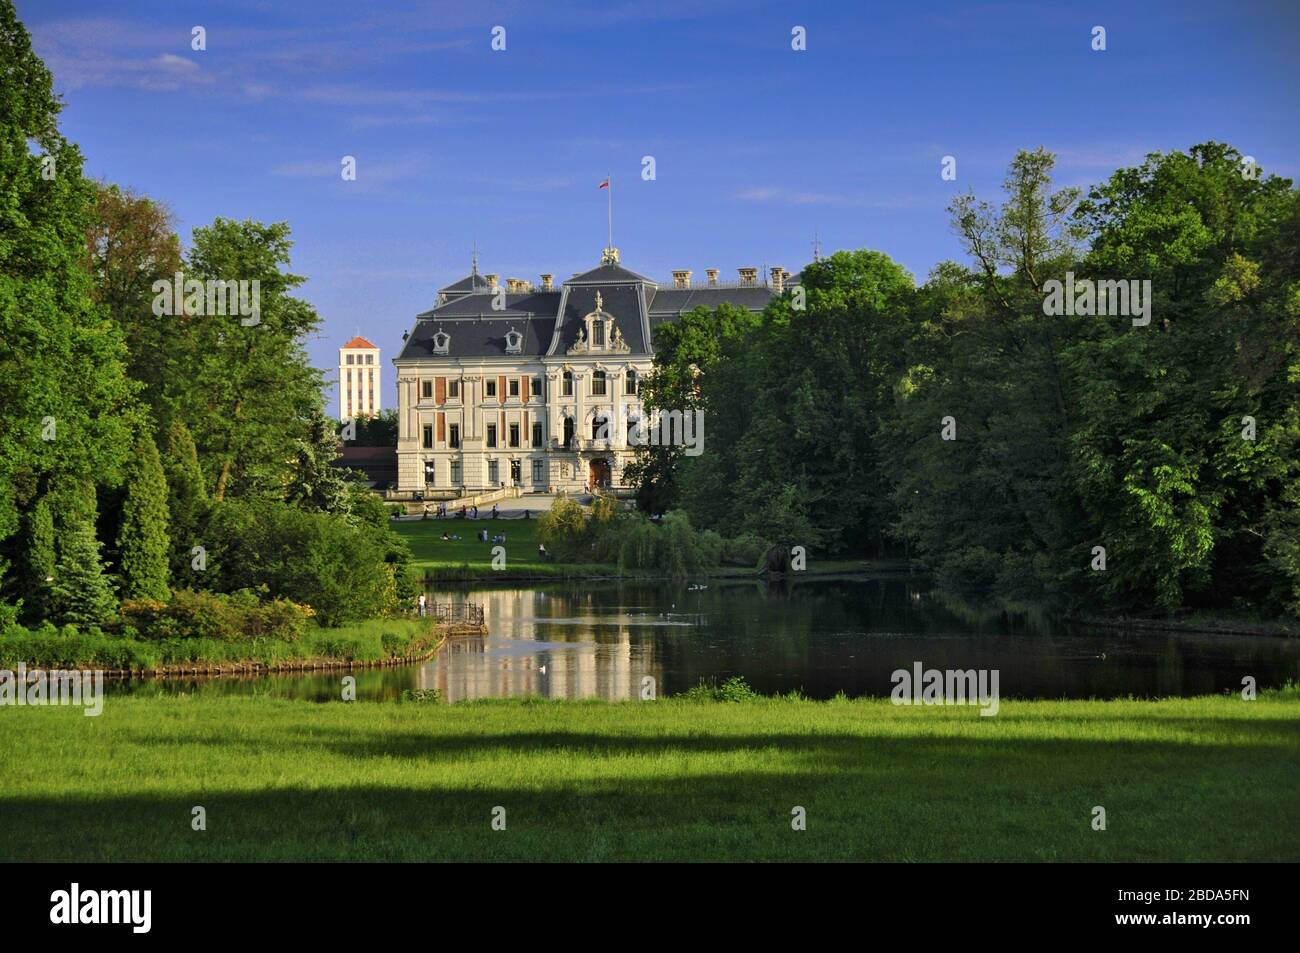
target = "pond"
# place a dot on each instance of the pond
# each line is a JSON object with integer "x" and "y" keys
{"x": 819, "y": 637}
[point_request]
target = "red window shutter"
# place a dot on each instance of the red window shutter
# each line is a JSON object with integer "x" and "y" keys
{"x": 501, "y": 388}
{"x": 442, "y": 424}
{"x": 440, "y": 389}
{"x": 523, "y": 389}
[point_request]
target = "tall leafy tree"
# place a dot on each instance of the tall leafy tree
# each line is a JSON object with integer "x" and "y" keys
{"x": 251, "y": 391}
{"x": 65, "y": 402}
{"x": 1187, "y": 445}
{"x": 131, "y": 242}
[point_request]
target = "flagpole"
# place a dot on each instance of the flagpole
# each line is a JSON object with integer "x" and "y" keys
{"x": 610, "y": 180}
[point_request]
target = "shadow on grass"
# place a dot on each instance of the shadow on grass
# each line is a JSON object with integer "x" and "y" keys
{"x": 574, "y": 796}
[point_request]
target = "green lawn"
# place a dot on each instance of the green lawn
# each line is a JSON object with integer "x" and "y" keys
{"x": 433, "y": 553}
{"x": 466, "y": 557}
{"x": 1181, "y": 780}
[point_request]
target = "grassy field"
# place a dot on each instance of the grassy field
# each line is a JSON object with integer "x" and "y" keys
{"x": 443, "y": 557}
{"x": 450, "y": 559}
{"x": 1181, "y": 780}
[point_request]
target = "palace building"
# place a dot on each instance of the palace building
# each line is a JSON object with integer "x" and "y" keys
{"x": 536, "y": 387}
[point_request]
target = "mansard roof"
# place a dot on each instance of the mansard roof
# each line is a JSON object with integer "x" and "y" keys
{"x": 479, "y": 337}
{"x": 550, "y": 320}
{"x": 544, "y": 303}
{"x": 676, "y": 301}
{"x": 467, "y": 285}
{"x": 608, "y": 273}
{"x": 625, "y": 303}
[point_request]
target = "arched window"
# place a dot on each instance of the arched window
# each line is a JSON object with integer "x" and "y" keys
{"x": 599, "y": 428}
{"x": 631, "y": 382}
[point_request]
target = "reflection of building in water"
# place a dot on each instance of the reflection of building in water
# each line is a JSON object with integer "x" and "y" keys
{"x": 586, "y": 653}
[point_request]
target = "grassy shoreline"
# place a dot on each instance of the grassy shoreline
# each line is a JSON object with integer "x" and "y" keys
{"x": 678, "y": 779}
{"x": 469, "y": 560}
{"x": 375, "y": 642}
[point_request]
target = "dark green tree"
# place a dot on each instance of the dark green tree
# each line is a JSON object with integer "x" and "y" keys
{"x": 187, "y": 497}
{"x": 80, "y": 593}
{"x": 143, "y": 542}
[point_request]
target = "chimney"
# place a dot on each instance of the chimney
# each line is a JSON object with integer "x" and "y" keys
{"x": 778, "y": 279}
{"x": 713, "y": 276}
{"x": 748, "y": 276}
{"x": 547, "y": 282}
{"x": 681, "y": 278}
{"x": 492, "y": 281}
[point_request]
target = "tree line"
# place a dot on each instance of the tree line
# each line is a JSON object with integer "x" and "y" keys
{"x": 1074, "y": 455}
{"x": 144, "y": 453}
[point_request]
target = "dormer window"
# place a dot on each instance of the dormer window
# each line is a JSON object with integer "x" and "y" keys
{"x": 598, "y": 332}
{"x": 514, "y": 342}
{"x": 441, "y": 342}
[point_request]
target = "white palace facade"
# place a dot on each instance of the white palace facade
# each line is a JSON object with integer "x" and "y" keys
{"x": 536, "y": 387}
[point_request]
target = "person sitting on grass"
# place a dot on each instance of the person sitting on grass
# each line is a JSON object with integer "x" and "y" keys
{"x": 541, "y": 551}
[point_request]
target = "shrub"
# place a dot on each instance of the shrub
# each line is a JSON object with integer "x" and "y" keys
{"x": 427, "y": 695}
{"x": 346, "y": 572}
{"x": 745, "y": 550}
{"x": 217, "y": 617}
{"x": 734, "y": 689}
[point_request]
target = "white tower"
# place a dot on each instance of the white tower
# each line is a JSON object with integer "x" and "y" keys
{"x": 359, "y": 387}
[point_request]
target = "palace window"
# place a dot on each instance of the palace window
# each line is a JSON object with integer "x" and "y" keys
{"x": 453, "y": 438}
{"x": 514, "y": 342}
{"x": 514, "y": 435}
{"x": 352, "y": 359}
{"x": 428, "y": 437}
{"x": 453, "y": 390}
{"x": 597, "y": 333}
{"x": 430, "y": 473}
{"x": 566, "y": 389}
{"x": 537, "y": 471}
{"x": 491, "y": 388}
{"x": 598, "y": 383}
{"x": 599, "y": 428}
{"x": 494, "y": 472}
{"x": 441, "y": 342}
{"x": 537, "y": 434}
{"x": 426, "y": 390}
{"x": 537, "y": 387}
{"x": 516, "y": 473}
{"x": 455, "y": 473}
{"x": 370, "y": 359}
{"x": 514, "y": 387}
{"x": 491, "y": 435}
{"x": 630, "y": 382}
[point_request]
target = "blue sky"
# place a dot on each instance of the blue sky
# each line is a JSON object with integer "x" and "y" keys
{"x": 756, "y": 146}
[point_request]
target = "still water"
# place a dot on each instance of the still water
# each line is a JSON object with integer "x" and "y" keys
{"x": 820, "y": 637}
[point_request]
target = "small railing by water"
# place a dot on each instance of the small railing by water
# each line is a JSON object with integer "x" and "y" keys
{"x": 457, "y": 613}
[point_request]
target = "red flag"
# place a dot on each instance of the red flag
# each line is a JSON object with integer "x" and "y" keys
{"x": 604, "y": 185}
